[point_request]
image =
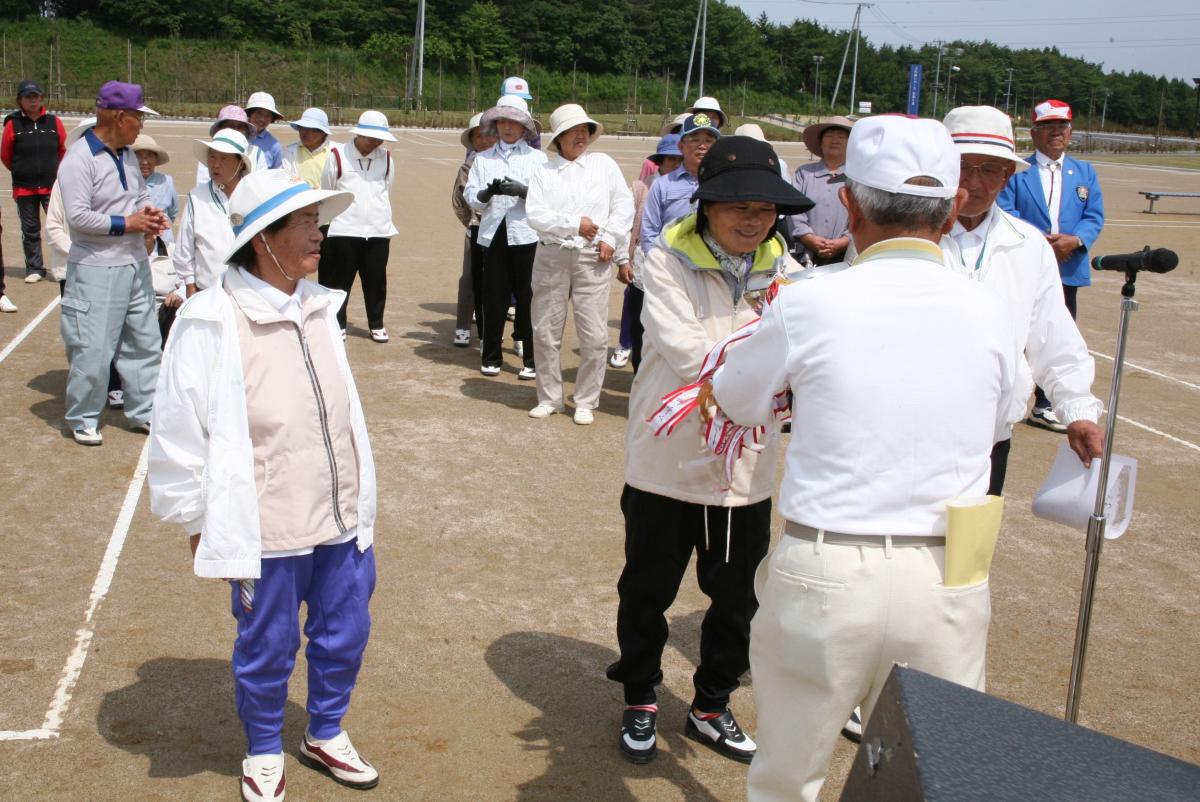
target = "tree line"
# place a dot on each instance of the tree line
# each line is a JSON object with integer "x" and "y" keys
{"x": 650, "y": 38}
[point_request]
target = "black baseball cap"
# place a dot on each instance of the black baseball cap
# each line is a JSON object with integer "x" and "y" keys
{"x": 29, "y": 88}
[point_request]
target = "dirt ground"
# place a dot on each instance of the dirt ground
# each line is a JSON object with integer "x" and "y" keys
{"x": 499, "y": 544}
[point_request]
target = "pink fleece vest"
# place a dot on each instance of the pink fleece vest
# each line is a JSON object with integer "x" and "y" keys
{"x": 305, "y": 464}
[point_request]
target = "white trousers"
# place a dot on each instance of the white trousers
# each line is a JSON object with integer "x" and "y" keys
{"x": 832, "y": 621}
{"x": 561, "y": 275}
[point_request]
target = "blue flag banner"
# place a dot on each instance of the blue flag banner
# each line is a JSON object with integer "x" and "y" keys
{"x": 914, "y": 89}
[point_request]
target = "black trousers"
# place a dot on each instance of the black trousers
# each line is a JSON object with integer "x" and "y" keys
{"x": 507, "y": 274}
{"x": 636, "y": 329}
{"x": 999, "y": 467}
{"x": 477, "y": 279}
{"x": 1070, "y": 297}
{"x": 343, "y": 258}
{"x": 660, "y": 535}
{"x": 29, "y": 209}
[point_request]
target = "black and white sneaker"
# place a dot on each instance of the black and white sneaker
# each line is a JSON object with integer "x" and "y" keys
{"x": 638, "y": 741}
{"x": 1046, "y": 419}
{"x": 723, "y": 734}
{"x": 853, "y": 727}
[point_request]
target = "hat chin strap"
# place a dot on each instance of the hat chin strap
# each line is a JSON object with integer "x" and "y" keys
{"x": 274, "y": 258}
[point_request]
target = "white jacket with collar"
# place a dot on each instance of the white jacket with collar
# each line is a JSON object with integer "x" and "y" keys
{"x": 370, "y": 179}
{"x": 1020, "y": 267}
{"x": 201, "y": 462}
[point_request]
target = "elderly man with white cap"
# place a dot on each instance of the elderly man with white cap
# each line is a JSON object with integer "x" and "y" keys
{"x": 259, "y": 450}
{"x": 261, "y": 111}
{"x": 359, "y": 240}
{"x": 856, "y": 582}
{"x": 306, "y": 158}
{"x": 582, "y": 210}
{"x": 1012, "y": 258}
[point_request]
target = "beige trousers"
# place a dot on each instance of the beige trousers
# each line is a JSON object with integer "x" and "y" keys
{"x": 832, "y": 621}
{"x": 561, "y": 275}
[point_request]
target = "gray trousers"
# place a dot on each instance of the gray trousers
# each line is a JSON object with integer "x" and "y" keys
{"x": 561, "y": 275}
{"x": 108, "y": 312}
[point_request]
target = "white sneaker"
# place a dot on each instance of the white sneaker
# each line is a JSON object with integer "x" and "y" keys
{"x": 519, "y": 348}
{"x": 462, "y": 338}
{"x": 527, "y": 374}
{"x": 853, "y": 727}
{"x": 511, "y": 314}
{"x": 88, "y": 437}
{"x": 1045, "y": 418}
{"x": 7, "y": 305}
{"x": 116, "y": 399}
{"x": 339, "y": 759}
{"x": 379, "y": 335}
{"x": 33, "y": 278}
{"x": 490, "y": 370}
{"x": 619, "y": 358}
{"x": 584, "y": 417}
{"x": 262, "y": 778}
{"x": 543, "y": 411}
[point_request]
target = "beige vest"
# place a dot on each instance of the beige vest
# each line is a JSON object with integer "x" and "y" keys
{"x": 305, "y": 464}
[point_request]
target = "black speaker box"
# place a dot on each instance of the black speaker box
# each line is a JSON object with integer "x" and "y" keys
{"x": 934, "y": 741}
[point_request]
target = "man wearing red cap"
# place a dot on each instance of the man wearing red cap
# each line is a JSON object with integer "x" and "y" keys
{"x": 1061, "y": 198}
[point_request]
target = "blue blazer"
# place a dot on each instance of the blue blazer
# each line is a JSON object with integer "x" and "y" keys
{"x": 1081, "y": 212}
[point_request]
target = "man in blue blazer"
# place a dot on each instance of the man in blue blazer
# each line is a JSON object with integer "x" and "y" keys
{"x": 1061, "y": 197}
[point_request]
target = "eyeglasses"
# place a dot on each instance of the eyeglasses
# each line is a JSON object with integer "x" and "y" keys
{"x": 991, "y": 172}
{"x": 1056, "y": 125}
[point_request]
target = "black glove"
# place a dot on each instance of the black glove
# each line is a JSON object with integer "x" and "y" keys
{"x": 493, "y": 188}
{"x": 511, "y": 186}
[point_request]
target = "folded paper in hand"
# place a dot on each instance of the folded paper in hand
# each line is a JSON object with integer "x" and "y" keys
{"x": 1068, "y": 496}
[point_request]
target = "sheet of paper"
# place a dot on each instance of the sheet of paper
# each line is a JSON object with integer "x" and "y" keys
{"x": 1068, "y": 496}
{"x": 972, "y": 527}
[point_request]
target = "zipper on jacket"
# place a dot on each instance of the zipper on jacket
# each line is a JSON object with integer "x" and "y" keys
{"x": 323, "y": 415}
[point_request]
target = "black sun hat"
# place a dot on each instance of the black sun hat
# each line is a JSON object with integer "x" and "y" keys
{"x": 738, "y": 168}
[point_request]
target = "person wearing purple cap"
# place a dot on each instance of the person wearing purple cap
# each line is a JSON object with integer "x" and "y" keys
{"x": 108, "y": 301}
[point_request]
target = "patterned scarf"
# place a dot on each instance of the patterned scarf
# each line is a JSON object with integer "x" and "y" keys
{"x": 733, "y": 264}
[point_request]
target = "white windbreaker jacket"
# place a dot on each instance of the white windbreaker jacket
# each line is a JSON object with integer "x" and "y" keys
{"x": 201, "y": 462}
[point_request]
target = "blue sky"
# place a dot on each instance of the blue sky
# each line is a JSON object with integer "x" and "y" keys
{"x": 1161, "y": 37}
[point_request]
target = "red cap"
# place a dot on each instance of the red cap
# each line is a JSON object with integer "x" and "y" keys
{"x": 1051, "y": 110}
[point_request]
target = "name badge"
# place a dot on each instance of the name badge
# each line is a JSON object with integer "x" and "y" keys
{"x": 1081, "y": 192}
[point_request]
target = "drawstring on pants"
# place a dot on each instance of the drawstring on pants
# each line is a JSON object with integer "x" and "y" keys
{"x": 728, "y": 530}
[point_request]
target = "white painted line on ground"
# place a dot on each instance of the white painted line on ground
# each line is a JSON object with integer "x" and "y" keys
{"x": 83, "y": 637}
{"x": 1152, "y": 167}
{"x": 25, "y": 332}
{"x": 1152, "y": 430}
{"x": 1153, "y": 225}
{"x": 1148, "y": 370}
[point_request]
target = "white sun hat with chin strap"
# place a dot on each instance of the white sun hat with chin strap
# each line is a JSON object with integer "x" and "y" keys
{"x": 226, "y": 140}
{"x": 263, "y": 100}
{"x": 373, "y": 124}
{"x": 566, "y": 117}
{"x": 710, "y": 105}
{"x": 263, "y": 197}
{"x": 888, "y": 151}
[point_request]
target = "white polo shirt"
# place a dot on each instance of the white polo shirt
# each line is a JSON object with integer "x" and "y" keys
{"x": 901, "y": 373}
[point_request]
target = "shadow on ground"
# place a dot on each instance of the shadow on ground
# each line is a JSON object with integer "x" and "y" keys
{"x": 579, "y": 721}
{"x": 180, "y": 714}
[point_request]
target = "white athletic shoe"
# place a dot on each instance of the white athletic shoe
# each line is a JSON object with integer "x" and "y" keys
{"x": 527, "y": 374}
{"x": 462, "y": 338}
{"x": 543, "y": 411}
{"x": 116, "y": 399}
{"x": 379, "y": 335}
{"x": 853, "y": 727}
{"x": 619, "y": 358}
{"x": 262, "y": 778}
{"x": 584, "y": 417}
{"x": 33, "y": 278}
{"x": 519, "y": 348}
{"x": 490, "y": 370}
{"x": 88, "y": 437}
{"x": 339, "y": 759}
{"x": 7, "y": 305}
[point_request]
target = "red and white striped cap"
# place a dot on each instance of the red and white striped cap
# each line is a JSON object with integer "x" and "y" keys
{"x": 1051, "y": 110}
{"x": 984, "y": 131}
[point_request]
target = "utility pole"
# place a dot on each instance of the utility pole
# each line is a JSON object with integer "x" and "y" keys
{"x": 855, "y": 32}
{"x": 1195, "y": 120}
{"x": 703, "y": 40}
{"x": 416, "y": 75}
{"x": 1104, "y": 109}
{"x": 1008, "y": 91}
{"x": 857, "y": 39}
{"x": 701, "y": 20}
{"x": 817, "y": 83}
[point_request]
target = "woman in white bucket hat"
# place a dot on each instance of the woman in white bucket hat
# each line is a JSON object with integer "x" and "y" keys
{"x": 259, "y": 449}
{"x": 358, "y": 242}
{"x": 204, "y": 231}
{"x": 306, "y": 159}
{"x": 582, "y": 210}
{"x": 470, "y": 284}
{"x": 261, "y": 111}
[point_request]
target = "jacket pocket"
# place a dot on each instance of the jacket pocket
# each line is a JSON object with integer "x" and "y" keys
{"x": 74, "y": 310}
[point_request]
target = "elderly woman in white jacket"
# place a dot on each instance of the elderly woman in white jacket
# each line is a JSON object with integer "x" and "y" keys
{"x": 259, "y": 450}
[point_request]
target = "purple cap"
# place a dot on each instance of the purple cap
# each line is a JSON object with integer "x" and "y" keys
{"x": 119, "y": 95}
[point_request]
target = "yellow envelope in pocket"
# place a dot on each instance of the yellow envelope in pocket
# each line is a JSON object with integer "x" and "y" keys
{"x": 972, "y": 528}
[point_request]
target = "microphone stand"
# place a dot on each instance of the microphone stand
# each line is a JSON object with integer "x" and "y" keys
{"x": 1099, "y": 520}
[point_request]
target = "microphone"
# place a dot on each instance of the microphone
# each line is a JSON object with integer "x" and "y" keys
{"x": 1159, "y": 260}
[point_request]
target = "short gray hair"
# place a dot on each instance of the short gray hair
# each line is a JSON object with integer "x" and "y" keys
{"x": 893, "y": 209}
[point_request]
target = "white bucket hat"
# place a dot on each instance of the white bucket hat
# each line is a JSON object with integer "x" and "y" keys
{"x": 887, "y": 151}
{"x": 465, "y": 139}
{"x": 984, "y": 131}
{"x": 146, "y": 142}
{"x": 263, "y": 100}
{"x": 675, "y": 124}
{"x": 263, "y": 197}
{"x": 81, "y": 128}
{"x": 226, "y": 140}
{"x": 511, "y": 107}
{"x": 752, "y": 130}
{"x": 710, "y": 105}
{"x": 566, "y": 117}
{"x": 313, "y": 118}
{"x": 373, "y": 124}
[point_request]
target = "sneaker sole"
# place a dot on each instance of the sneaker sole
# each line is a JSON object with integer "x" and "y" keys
{"x": 693, "y": 732}
{"x": 640, "y": 758}
{"x": 317, "y": 765}
{"x": 851, "y": 735}
{"x": 1057, "y": 428}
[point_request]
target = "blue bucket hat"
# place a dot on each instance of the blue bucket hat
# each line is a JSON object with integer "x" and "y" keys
{"x": 700, "y": 121}
{"x": 667, "y": 146}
